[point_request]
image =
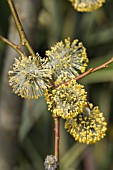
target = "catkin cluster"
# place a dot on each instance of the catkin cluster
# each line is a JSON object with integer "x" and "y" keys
{"x": 54, "y": 79}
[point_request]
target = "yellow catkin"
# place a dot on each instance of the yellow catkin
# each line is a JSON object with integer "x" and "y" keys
{"x": 27, "y": 78}
{"x": 87, "y": 5}
{"x": 88, "y": 126}
{"x": 66, "y": 101}
{"x": 67, "y": 58}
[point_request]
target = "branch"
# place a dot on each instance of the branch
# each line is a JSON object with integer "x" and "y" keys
{"x": 23, "y": 39}
{"x": 91, "y": 70}
{"x": 57, "y": 136}
{"x": 14, "y": 46}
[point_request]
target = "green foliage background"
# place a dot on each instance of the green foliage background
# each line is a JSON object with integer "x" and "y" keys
{"x": 58, "y": 20}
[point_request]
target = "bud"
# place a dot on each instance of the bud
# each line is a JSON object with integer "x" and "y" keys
{"x": 51, "y": 162}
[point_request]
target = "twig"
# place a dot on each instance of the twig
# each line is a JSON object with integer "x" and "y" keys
{"x": 14, "y": 46}
{"x": 57, "y": 137}
{"x": 91, "y": 70}
{"x": 23, "y": 39}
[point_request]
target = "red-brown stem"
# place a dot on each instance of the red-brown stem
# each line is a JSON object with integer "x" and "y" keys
{"x": 91, "y": 70}
{"x": 57, "y": 136}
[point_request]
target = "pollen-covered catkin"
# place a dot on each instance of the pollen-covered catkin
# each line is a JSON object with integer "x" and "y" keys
{"x": 67, "y": 100}
{"x": 87, "y": 5}
{"x": 27, "y": 79}
{"x": 67, "y": 59}
{"x": 88, "y": 126}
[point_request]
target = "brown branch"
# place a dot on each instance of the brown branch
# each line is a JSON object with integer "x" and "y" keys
{"x": 57, "y": 136}
{"x": 17, "y": 22}
{"x": 23, "y": 39}
{"x": 91, "y": 70}
{"x": 14, "y": 46}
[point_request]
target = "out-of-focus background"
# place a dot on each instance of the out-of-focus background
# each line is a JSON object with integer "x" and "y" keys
{"x": 26, "y": 126}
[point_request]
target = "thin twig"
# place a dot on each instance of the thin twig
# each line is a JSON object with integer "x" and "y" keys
{"x": 91, "y": 70}
{"x": 57, "y": 137}
{"x": 23, "y": 39}
{"x": 14, "y": 46}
